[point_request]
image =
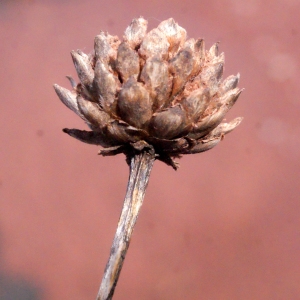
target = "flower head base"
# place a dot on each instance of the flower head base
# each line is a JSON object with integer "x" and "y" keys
{"x": 154, "y": 90}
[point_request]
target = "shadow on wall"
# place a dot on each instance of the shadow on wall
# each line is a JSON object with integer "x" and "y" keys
{"x": 17, "y": 289}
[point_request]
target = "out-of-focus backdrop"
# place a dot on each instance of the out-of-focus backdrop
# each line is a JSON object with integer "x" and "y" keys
{"x": 224, "y": 226}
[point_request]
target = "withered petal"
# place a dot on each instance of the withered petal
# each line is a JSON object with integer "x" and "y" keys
{"x": 169, "y": 123}
{"x": 198, "y": 54}
{"x": 175, "y": 34}
{"x": 111, "y": 151}
{"x": 135, "y": 32}
{"x": 214, "y": 137}
{"x": 155, "y": 43}
{"x": 106, "y": 46}
{"x": 128, "y": 62}
{"x": 68, "y": 98}
{"x": 225, "y": 128}
{"x": 168, "y": 146}
{"x": 211, "y": 121}
{"x": 181, "y": 66}
{"x": 118, "y": 131}
{"x": 92, "y": 112}
{"x": 169, "y": 160}
{"x": 105, "y": 84}
{"x": 200, "y": 47}
{"x": 211, "y": 76}
{"x": 196, "y": 103}
{"x": 203, "y": 145}
{"x": 155, "y": 75}
{"x": 83, "y": 67}
{"x": 137, "y": 133}
{"x": 230, "y": 97}
{"x": 214, "y": 50}
{"x": 134, "y": 104}
{"x": 90, "y": 137}
{"x": 230, "y": 83}
{"x": 72, "y": 81}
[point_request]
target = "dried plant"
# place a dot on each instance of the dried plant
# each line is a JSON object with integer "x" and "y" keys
{"x": 154, "y": 95}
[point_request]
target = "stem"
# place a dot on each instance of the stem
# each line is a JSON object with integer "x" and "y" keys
{"x": 140, "y": 168}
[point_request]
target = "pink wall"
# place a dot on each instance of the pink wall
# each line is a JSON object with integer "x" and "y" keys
{"x": 224, "y": 226}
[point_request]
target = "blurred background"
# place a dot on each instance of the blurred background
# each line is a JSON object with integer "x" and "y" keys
{"x": 224, "y": 226}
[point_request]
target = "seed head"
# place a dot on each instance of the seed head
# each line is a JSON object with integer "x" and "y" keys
{"x": 154, "y": 90}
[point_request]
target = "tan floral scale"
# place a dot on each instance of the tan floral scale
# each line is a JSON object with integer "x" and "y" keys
{"x": 155, "y": 89}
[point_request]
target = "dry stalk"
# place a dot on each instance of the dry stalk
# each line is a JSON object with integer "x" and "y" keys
{"x": 140, "y": 168}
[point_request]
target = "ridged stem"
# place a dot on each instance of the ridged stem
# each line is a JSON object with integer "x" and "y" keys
{"x": 140, "y": 168}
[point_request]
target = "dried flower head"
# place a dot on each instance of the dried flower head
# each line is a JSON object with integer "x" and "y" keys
{"x": 155, "y": 89}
